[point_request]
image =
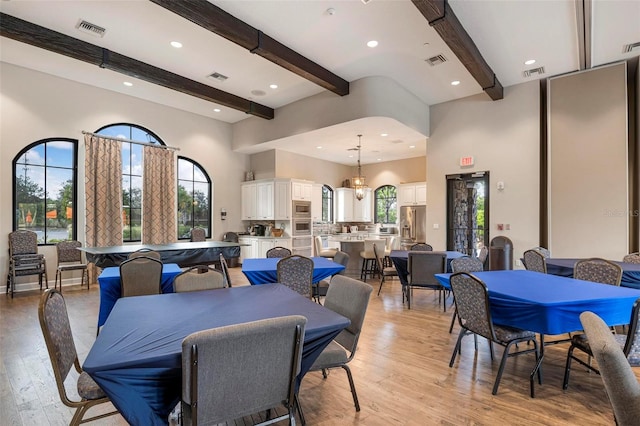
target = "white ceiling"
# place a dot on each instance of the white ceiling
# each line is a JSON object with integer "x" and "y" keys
{"x": 506, "y": 32}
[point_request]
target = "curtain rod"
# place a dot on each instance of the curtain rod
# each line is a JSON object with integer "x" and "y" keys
{"x": 131, "y": 141}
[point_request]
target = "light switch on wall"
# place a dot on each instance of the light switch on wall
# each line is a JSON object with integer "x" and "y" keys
{"x": 436, "y": 226}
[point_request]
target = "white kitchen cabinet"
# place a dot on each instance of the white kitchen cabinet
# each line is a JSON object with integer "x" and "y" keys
{"x": 412, "y": 194}
{"x": 248, "y": 247}
{"x": 344, "y": 204}
{"x": 362, "y": 208}
{"x": 264, "y": 200}
{"x": 265, "y": 244}
{"x": 282, "y": 200}
{"x": 301, "y": 190}
{"x": 248, "y": 195}
{"x": 316, "y": 202}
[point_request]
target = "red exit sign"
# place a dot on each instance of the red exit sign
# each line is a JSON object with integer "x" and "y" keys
{"x": 466, "y": 161}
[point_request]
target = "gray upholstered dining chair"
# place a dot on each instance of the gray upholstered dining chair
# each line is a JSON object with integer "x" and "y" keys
{"x": 70, "y": 259}
{"x": 140, "y": 276}
{"x": 320, "y": 288}
{"x": 198, "y": 234}
{"x": 629, "y": 343}
{"x": 632, "y": 258}
{"x": 464, "y": 264}
{"x": 146, "y": 252}
{"x": 277, "y": 252}
{"x": 474, "y": 316}
{"x": 620, "y": 381}
{"x": 56, "y": 329}
{"x": 545, "y": 252}
{"x": 385, "y": 271}
{"x": 534, "y": 261}
{"x": 199, "y": 277}
{"x": 422, "y": 265}
{"x": 296, "y": 272}
{"x": 264, "y": 371}
{"x": 349, "y": 298}
{"x": 24, "y": 259}
{"x": 598, "y": 270}
{"x": 421, "y": 247}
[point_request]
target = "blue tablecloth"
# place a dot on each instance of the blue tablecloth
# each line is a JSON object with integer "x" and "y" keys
{"x": 564, "y": 268}
{"x": 550, "y": 304}
{"x": 110, "y": 289}
{"x": 264, "y": 271}
{"x": 136, "y": 359}
{"x": 400, "y": 259}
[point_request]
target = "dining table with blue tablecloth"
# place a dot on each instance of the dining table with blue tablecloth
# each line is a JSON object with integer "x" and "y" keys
{"x": 400, "y": 259}
{"x": 265, "y": 270}
{"x": 564, "y": 267}
{"x": 136, "y": 358}
{"x": 111, "y": 289}
{"x": 550, "y": 304}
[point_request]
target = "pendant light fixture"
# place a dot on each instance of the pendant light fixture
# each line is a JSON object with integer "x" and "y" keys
{"x": 358, "y": 182}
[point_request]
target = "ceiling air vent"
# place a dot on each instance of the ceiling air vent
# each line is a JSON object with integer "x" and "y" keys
{"x": 533, "y": 71}
{"x": 218, "y": 76}
{"x": 629, "y": 47}
{"x": 436, "y": 60}
{"x": 89, "y": 28}
{"x": 365, "y": 1}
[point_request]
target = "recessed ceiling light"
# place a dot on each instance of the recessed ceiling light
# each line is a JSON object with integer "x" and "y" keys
{"x": 216, "y": 110}
{"x": 384, "y": 134}
{"x": 372, "y": 43}
{"x": 273, "y": 86}
{"x": 257, "y": 92}
{"x": 176, "y": 44}
{"x": 319, "y": 147}
{"x": 455, "y": 82}
{"x": 379, "y": 159}
{"x": 530, "y": 62}
{"x": 128, "y": 84}
{"x": 351, "y": 156}
{"x": 412, "y": 146}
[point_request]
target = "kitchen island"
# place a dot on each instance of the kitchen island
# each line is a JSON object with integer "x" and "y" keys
{"x": 352, "y": 245}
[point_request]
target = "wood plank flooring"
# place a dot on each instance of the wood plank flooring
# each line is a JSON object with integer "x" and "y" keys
{"x": 400, "y": 370}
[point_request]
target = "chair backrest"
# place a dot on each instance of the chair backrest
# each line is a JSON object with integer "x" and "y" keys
{"x": 394, "y": 243}
{"x": 146, "y": 252}
{"x": 23, "y": 242}
{"x": 466, "y": 264}
{"x": 632, "y": 344}
{"x": 343, "y": 259}
{"x": 632, "y": 258}
{"x": 296, "y": 272}
{"x": 619, "y": 379}
{"x": 423, "y": 264}
{"x": 231, "y": 237}
{"x": 421, "y": 247}
{"x": 598, "y": 270}
{"x": 225, "y": 269}
{"x": 278, "y": 252}
{"x": 68, "y": 251}
{"x": 56, "y": 329}
{"x": 199, "y": 277}
{"x": 543, "y": 251}
{"x": 483, "y": 254}
{"x": 379, "y": 257}
{"x": 535, "y": 261}
{"x": 472, "y": 302}
{"x": 198, "y": 234}
{"x": 317, "y": 243}
{"x": 349, "y": 298}
{"x": 140, "y": 276}
{"x": 370, "y": 243}
{"x": 264, "y": 370}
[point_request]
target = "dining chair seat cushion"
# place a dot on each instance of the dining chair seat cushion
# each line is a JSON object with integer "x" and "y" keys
{"x": 582, "y": 343}
{"x": 367, "y": 255}
{"x": 390, "y": 271}
{"x": 87, "y": 388}
{"x": 333, "y": 354}
{"x": 508, "y": 334}
{"x": 72, "y": 267}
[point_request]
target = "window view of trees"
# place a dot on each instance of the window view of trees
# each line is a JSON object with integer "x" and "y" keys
{"x": 327, "y": 203}
{"x": 194, "y": 198}
{"x": 44, "y": 175}
{"x": 386, "y": 209}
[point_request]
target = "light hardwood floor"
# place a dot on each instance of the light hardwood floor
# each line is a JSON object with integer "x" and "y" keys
{"x": 401, "y": 371}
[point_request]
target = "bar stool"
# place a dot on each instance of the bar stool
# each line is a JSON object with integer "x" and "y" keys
{"x": 369, "y": 262}
{"x": 322, "y": 252}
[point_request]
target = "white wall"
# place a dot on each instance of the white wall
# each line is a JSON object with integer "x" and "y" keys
{"x": 504, "y": 138}
{"x": 34, "y": 106}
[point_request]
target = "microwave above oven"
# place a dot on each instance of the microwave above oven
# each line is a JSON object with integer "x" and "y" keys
{"x": 302, "y": 227}
{"x": 301, "y": 209}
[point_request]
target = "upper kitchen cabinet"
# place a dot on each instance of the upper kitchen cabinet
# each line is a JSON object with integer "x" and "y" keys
{"x": 258, "y": 201}
{"x": 301, "y": 190}
{"x": 362, "y": 208}
{"x": 249, "y": 201}
{"x": 412, "y": 194}
{"x": 349, "y": 208}
{"x": 316, "y": 202}
{"x": 283, "y": 200}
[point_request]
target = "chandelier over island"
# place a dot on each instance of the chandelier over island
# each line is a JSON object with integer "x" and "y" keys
{"x": 357, "y": 182}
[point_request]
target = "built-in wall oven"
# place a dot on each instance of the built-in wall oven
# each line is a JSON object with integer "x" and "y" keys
{"x": 301, "y": 227}
{"x": 301, "y": 209}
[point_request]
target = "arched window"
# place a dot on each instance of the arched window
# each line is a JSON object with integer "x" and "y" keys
{"x": 131, "y": 174}
{"x": 327, "y": 203}
{"x": 386, "y": 206}
{"x": 44, "y": 189}
{"x": 194, "y": 198}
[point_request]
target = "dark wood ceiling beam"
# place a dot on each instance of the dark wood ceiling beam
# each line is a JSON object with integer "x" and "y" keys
{"x": 216, "y": 20}
{"x": 44, "y": 38}
{"x": 440, "y": 16}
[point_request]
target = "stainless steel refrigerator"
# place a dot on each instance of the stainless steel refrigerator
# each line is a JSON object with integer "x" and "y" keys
{"x": 413, "y": 224}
